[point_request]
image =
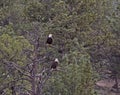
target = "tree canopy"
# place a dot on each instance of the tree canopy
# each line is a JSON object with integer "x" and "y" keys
{"x": 86, "y": 40}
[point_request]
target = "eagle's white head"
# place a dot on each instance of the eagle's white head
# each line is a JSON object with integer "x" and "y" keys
{"x": 50, "y": 36}
{"x": 56, "y": 60}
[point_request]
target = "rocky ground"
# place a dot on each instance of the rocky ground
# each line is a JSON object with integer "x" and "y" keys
{"x": 105, "y": 87}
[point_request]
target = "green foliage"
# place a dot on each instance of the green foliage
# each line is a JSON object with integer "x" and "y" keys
{"x": 12, "y": 50}
{"x": 12, "y": 47}
{"x": 75, "y": 78}
{"x": 84, "y": 30}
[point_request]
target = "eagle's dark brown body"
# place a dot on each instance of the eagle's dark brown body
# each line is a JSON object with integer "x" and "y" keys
{"x": 54, "y": 65}
{"x": 49, "y": 40}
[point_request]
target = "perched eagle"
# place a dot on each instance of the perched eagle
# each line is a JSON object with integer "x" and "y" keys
{"x": 49, "y": 39}
{"x": 54, "y": 64}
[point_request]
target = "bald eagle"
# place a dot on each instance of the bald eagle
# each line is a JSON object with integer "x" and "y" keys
{"x": 54, "y": 64}
{"x": 49, "y": 39}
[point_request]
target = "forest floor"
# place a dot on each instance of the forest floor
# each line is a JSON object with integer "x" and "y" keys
{"x": 105, "y": 87}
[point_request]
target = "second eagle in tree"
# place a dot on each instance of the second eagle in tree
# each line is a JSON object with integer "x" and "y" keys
{"x": 55, "y": 64}
{"x": 49, "y": 39}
